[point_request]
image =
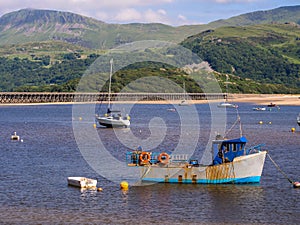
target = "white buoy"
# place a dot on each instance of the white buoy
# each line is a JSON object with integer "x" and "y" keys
{"x": 296, "y": 184}
{"x": 15, "y": 137}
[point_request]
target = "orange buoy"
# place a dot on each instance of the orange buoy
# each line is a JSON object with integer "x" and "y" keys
{"x": 145, "y": 157}
{"x": 163, "y": 158}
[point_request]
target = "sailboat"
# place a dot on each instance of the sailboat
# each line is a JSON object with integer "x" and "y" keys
{"x": 184, "y": 102}
{"x": 113, "y": 118}
{"x": 298, "y": 119}
{"x": 226, "y": 104}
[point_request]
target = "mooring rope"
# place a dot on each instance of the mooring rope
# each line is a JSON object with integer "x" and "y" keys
{"x": 279, "y": 169}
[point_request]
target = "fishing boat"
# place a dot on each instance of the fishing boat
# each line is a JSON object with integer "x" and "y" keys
{"x": 298, "y": 119}
{"x": 82, "y": 182}
{"x": 231, "y": 162}
{"x": 113, "y": 118}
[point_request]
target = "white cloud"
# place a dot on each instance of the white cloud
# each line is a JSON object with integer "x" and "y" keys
{"x": 181, "y": 17}
{"x": 156, "y": 16}
{"x": 162, "y": 12}
{"x": 105, "y": 10}
{"x": 234, "y": 1}
{"x": 127, "y": 15}
{"x": 147, "y": 16}
{"x": 85, "y": 5}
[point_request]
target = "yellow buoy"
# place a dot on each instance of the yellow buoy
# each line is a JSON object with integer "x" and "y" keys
{"x": 260, "y": 122}
{"x": 80, "y": 118}
{"x": 99, "y": 189}
{"x": 270, "y": 122}
{"x": 94, "y": 125}
{"x": 293, "y": 129}
{"x": 124, "y": 185}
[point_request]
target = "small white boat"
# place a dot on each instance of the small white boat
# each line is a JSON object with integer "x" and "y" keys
{"x": 227, "y": 105}
{"x": 82, "y": 182}
{"x": 114, "y": 119}
{"x": 259, "y": 108}
{"x": 184, "y": 103}
{"x": 171, "y": 110}
{"x": 15, "y": 137}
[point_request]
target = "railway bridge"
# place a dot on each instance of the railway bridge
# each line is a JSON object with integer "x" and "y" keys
{"x": 73, "y": 97}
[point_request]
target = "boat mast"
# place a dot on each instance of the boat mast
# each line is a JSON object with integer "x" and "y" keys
{"x": 109, "y": 87}
{"x": 226, "y": 88}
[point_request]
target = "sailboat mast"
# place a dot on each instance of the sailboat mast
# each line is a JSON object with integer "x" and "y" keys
{"x": 109, "y": 87}
{"x": 226, "y": 87}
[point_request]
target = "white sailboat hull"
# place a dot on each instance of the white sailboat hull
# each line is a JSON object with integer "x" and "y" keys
{"x": 113, "y": 121}
{"x": 243, "y": 169}
{"x": 227, "y": 105}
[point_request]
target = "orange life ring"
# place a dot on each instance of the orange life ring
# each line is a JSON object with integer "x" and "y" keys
{"x": 145, "y": 157}
{"x": 163, "y": 158}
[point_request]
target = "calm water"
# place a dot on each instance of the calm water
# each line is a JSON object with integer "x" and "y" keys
{"x": 34, "y": 190}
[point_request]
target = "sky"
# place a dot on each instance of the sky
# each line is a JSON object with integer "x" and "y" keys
{"x": 171, "y": 12}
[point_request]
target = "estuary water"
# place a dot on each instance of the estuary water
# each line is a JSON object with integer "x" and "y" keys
{"x": 34, "y": 170}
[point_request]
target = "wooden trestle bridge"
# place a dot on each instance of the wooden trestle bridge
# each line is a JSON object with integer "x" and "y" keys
{"x": 73, "y": 97}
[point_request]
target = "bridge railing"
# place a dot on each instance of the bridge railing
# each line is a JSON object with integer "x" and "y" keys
{"x": 49, "y": 97}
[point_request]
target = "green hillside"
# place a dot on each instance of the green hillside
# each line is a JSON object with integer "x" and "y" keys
{"x": 31, "y": 25}
{"x": 44, "y": 50}
{"x": 278, "y": 15}
{"x": 264, "y": 53}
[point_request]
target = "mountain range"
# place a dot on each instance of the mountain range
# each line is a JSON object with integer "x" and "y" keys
{"x": 32, "y": 25}
{"x": 260, "y": 50}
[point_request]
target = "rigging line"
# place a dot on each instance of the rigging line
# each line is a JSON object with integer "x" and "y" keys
{"x": 238, "y": 120}
{"x": 146, "y": 172}
{"x": 280, "y": 170}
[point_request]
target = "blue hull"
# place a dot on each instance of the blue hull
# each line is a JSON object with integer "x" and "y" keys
{"x": 255, "y": 179}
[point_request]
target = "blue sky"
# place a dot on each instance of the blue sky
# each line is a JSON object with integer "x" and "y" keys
{"x": 172, "y": 12}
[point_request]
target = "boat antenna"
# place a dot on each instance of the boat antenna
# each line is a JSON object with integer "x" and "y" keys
{"x": 109, "y": 87}
{"x": 238, "y": 120}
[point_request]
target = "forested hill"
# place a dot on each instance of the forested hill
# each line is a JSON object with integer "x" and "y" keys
{"x": 258, "y": 59}
{"x": 264, "y": 53}
{"x": 52, "y": 50}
